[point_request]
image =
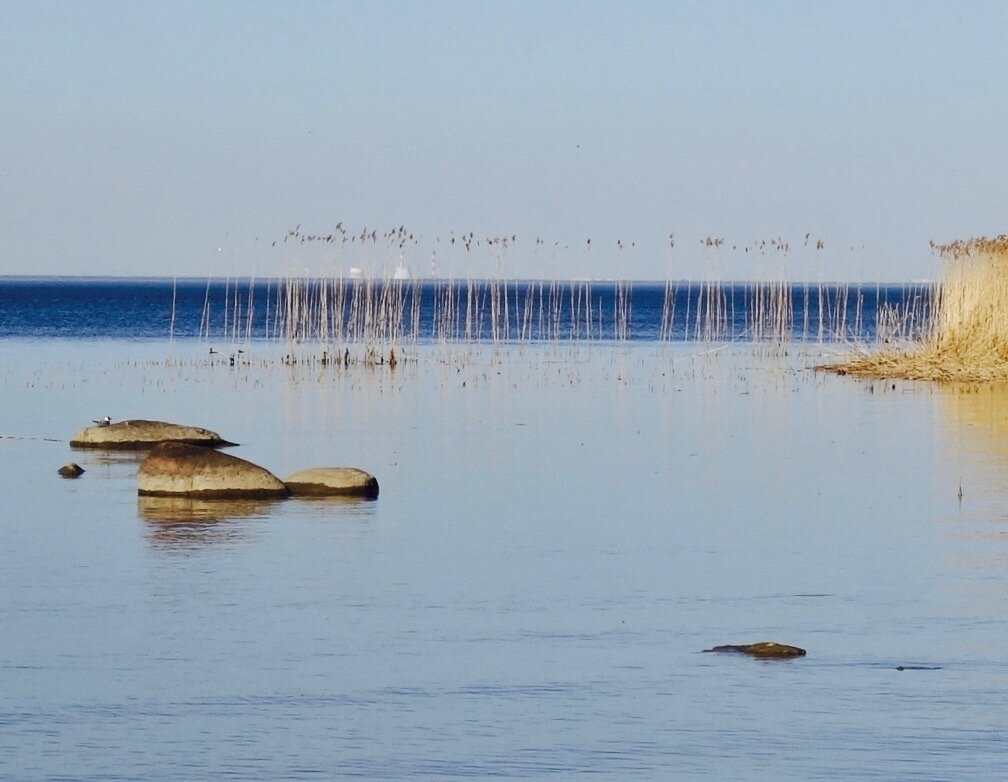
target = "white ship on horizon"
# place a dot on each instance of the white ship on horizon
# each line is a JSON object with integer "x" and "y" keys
{"x": 402, "y": 271}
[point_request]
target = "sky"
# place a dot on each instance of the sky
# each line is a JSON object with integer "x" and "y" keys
{"x": 183, "y": 139}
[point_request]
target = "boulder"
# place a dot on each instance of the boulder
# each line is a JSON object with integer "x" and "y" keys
{"x": 765, "y": 650}
{"x": 139, "y": 434}
{"x": 183, "y": 470}
{"x": 71, "y": 470}
{"x": 333, "y": 482}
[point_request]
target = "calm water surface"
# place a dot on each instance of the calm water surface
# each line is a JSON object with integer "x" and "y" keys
{"x": 560, "y": 532}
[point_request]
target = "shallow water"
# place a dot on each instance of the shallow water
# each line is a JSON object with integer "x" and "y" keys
{"x": 560, "y": 532}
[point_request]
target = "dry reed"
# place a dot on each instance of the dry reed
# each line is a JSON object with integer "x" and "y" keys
{"x": 344, "y": 292}
{"x": 966, "y": 333}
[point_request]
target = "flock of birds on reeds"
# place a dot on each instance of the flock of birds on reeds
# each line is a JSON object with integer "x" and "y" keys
{"x": 400, "y": 236}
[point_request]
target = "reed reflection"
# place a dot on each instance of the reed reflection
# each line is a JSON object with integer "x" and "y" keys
{"x": 975, "y": 416}
{"x": 978, "y": 414}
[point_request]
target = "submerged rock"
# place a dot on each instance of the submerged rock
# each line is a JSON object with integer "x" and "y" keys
{"x": 138, "y": 433}
{"x": 333, "y": 482}
{"x": 71, "y": 470}
{"x": 767, "y": 650}
{"x": 183, "y": 470}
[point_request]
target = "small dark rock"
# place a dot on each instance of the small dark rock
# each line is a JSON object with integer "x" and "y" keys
{"x": 72, "y": 470}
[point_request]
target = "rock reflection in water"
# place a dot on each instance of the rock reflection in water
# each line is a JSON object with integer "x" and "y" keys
{"x": 194, "y": 522}
{"x": 114, "y": 458}
{"x": 341, "y": 502}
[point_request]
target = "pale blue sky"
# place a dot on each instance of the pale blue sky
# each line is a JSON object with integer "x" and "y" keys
{"x": 137, "y": 138}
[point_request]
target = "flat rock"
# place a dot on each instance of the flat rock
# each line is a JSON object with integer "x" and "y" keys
{"x": 183, "y": 470}
{"x": 138, "y": 433}
{"x": 71, "y": 470}
{"x": 766, "y": 650}
{"x": 333, "y": 482}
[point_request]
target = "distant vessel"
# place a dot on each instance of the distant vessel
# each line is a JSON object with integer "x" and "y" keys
{"x": 356, "y": 273}
{"x": 402, "y": 272}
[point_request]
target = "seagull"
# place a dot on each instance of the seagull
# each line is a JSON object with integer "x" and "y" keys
{"x": 106, "y": 421}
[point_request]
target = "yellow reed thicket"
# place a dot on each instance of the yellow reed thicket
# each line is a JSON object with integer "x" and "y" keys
{"x": 968, "y": 335}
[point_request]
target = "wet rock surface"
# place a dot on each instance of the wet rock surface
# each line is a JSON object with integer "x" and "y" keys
{"x": 141, "y": 433}
{"x": 71, "y": 470}
{"x": 766, "y": 650}
{"x": 333, "y": 482}
{"x": 183, "y": 470}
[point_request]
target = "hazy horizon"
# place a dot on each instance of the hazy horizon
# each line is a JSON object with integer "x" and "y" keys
{"x": 377, "y": 278}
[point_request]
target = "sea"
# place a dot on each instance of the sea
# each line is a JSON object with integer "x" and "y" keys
{"x": 568, "y": 517}
{"x": 322, "y": 309}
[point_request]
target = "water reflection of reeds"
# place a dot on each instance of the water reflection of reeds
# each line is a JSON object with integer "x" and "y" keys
{"x": 978, "y": 414}
{"x": 975, "y": 422}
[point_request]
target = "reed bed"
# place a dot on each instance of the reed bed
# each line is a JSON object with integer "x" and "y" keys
{"x": 343, "y": 296}
{"x": 964, "y": 335}
{"x": 380, "y": 313}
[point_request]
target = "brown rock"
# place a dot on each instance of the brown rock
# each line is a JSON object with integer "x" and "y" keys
{"x": 182, "y": 470}
{"x": 138, "y": 434}
{"x": 333, "y": 482}
{"x": 71, "y": 470}
{"x": 766, "y": 650}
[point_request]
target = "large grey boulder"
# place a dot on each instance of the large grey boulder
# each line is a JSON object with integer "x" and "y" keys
{"x": 139, "y": 434}
{"x": 182, "y": 470}
{"x": 333, "y": 482}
